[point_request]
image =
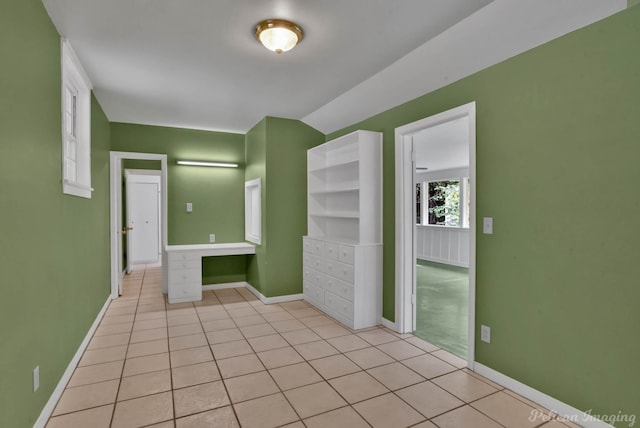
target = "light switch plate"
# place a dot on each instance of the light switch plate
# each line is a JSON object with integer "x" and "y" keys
{"x": 485, "y": 333}
{"x": 189, "y": 207}
{"x": 36, "y": 378}
{"x": 487, "y": 225}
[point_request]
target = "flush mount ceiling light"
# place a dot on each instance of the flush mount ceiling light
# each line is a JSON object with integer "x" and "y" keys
{"x": 278, "y": 35}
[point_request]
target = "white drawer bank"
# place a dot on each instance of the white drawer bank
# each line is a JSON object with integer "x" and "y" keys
{"x": 344, "y": 280}
{"x": 182, "y": 267}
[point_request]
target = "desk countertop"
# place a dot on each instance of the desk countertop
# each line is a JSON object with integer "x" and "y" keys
{"x": 228, "y": 248}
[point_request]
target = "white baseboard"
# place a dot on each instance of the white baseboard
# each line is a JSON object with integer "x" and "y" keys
{"x": 389, "y": 324}
{"x": 224, "y": 285}
{"x": 66, "y": 376}
{"x": 443, "y": 261}
{"x": 271, "y": 300}
{"x": 585, "y": 419}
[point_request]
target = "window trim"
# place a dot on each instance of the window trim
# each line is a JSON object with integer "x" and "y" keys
{"x": 73, "y": 75}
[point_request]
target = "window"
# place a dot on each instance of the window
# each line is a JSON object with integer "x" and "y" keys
{"x": 443, "y": 203}
{"x": 76, "y": 126}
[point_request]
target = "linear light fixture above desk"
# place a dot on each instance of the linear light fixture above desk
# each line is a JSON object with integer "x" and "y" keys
{"x": 213, "y": 164}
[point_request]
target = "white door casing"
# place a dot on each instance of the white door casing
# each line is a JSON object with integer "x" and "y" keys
{"x": 115, "y": 210}
{"x": 405, "y": 219}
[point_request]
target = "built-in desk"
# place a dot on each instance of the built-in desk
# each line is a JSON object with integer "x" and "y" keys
{"x": 182, "y": 267}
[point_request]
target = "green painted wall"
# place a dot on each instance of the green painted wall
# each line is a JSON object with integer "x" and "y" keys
{"x": 256, "y": 167}
{"x": 287, "y": 145}
{"x": 557, "y": 167}
{"x": 217, "y": 194}
{"x": 631, "y": 3}
{"x": 54, "y": 256}
{"x": 276, "y": 151}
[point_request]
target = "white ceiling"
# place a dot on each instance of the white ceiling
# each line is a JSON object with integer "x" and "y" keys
{"x": 196, "y": 64}
{"x": 445, "y": 146}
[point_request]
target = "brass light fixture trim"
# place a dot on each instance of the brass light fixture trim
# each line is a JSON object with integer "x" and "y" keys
{"x": 278, "y": 35}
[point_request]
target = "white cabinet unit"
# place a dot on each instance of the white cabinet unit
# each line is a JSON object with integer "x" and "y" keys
{"x": 342, "y": 254}
{"x": 182, "y": 267}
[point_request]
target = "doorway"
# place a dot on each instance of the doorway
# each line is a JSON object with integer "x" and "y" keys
{"x": 117, "y": 221}
{"x": 143, "y": 216}
{"x": 438, "y": 237}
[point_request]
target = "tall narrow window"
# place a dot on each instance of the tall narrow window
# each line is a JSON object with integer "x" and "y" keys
{"x": 76, "y": 126}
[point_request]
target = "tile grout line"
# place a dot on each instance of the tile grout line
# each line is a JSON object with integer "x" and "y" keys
{"x": 135, "y": 314}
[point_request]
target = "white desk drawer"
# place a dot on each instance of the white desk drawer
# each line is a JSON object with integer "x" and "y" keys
{"x": 185, "y": 290}
{"x": 339, "y": 288}
{"x": 175, "y": 256}
{"x": 339, "y": 305}
{"x": 313, "y": 293}
{"x": 312, "y": 276}
{"x": 346, "y": 254}
{"x": 184, "y": 276}
{"x": 331, "y": 250}
{"x": 339, "y": 270}
{"x": 185, "y": 264}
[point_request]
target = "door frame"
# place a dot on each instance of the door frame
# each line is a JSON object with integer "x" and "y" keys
{"x": 405, "y": 241}
{"x": 150, "y": 176}
{"x": 115, "y": 209}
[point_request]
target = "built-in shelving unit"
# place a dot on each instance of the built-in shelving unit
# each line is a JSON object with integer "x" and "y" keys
{"x": 343, "y": 249}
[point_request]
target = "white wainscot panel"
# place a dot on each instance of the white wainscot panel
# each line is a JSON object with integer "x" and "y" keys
{"x": 443, "y": 244}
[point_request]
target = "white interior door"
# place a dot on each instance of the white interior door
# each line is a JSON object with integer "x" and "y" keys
{"x": 143, "y": 222}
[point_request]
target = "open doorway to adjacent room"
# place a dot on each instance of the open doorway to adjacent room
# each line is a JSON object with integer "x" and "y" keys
{"x": 435, "y": 233}
{"x": 150, "y": 168}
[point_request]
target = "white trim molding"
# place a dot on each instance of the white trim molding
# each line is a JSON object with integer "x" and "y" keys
{"x": 406, "y": 218}
{"x": 47, "y": 411}
{"x": 225, "y": 285}
{"x": 584, "y": 419}
{"x": 389, "y": 324}
{"x": 115, "y": 210}
{"x": 276, "y": 299}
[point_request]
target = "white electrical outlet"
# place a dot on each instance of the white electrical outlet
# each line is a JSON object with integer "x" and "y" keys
{"x": 36, "y": 378}
{"x": 189, "y": 207}
{"x": 485, "y": 334}
{"x": 212, "y": 238}
{"x": 487, "y": 225}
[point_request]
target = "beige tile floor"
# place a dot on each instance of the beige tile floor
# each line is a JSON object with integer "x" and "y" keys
{"x": 231, "y": 361}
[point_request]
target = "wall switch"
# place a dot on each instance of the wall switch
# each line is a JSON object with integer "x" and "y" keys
{"x": 212, "y": 238}
{"x": 189, "y": 207}
{"x": 485, "y": 334}
{"x": 36, "y": 378}
{"x": 487, "y": 225}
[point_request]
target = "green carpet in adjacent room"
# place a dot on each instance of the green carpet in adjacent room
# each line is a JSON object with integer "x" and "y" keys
{"x": 442, "y": 311}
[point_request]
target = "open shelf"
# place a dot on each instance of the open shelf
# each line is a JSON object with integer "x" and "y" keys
{"x": 334, "y": 190}
{"x": 342, "y": 263}
{"x": 336, "y": 214}
{"x": 335, "y": 165}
